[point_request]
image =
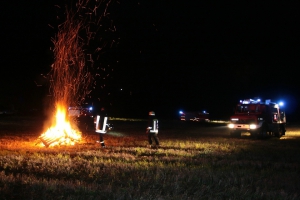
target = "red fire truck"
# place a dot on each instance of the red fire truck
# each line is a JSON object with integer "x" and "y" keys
{"x": 82, "y": 116}
{"x": 259, "y": 118}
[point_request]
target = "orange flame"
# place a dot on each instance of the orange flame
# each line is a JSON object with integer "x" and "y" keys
{"x": 61, "y": 132}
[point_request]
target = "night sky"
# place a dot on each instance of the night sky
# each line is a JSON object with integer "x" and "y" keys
{"x": 171, "y": 55}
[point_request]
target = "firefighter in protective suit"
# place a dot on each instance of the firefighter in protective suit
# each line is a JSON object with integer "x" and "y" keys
{"x": 152, "y": 129}
{"x": 101, "y": 125}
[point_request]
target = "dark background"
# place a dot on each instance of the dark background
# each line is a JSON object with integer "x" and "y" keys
{"x": 170, "y": 56}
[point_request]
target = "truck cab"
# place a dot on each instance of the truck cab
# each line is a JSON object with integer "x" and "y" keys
{"x": 258, "y": 118}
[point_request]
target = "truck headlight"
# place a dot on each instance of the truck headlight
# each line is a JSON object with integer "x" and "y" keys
{"x": 230, "y": 125}
{"x": 252, "y": 126}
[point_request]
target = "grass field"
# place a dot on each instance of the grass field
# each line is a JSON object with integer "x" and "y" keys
{"x": 193, "y": 162}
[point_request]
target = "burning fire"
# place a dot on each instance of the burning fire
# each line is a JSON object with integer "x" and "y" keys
{"x": 73, "y": 73}
{"x": 61, "y": 132}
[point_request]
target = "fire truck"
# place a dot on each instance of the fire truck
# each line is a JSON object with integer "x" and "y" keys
{"x": 195, "y": 116}
{"x": 85, "y": 117}
{"x": 260, "y": 119}
{"x": 80, "y": 112}
{"x": 82, "y": 116}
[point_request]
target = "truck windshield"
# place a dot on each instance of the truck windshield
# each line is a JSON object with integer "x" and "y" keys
{"x": 247, "y": 108}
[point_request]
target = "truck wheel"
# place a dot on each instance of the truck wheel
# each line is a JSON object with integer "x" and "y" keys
{"x": 254, "y": 134}
{"x": 282, "y": 129}
{"x": 280, "y": 132}
{"x": 262, "y": 132}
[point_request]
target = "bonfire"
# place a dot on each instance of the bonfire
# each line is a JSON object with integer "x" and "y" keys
{"x": 61, "y": 132}
{"x": 71, "y": 76}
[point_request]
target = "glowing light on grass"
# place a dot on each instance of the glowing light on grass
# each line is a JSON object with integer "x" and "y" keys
{"x": 72, "y": 73}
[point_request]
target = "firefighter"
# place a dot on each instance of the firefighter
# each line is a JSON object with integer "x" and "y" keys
{"x": 152, "y": 129}
{"x": 100, "y": 126}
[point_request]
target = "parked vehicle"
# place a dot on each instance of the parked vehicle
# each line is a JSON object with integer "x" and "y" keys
{"x": 195, "y": 116}
{"x": 258, "y": 118}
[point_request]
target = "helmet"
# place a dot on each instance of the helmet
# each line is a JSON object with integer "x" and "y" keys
{"x": 152, "y": 113}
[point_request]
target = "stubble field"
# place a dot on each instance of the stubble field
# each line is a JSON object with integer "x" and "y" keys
{"x": 194, "y": 161}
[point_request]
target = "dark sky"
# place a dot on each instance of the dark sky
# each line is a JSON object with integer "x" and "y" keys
{"x": 171, "y": 54}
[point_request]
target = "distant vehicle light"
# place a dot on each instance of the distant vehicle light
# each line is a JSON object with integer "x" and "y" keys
{"x": 234, "y": 119}
{"x": 180, "y": 112}
{"x": 253, "y": 126}
{"x": 230, "y": 125}
{"x": 91, "y": 108}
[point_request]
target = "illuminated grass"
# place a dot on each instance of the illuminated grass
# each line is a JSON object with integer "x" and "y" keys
{"x": 183, "y": 168}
